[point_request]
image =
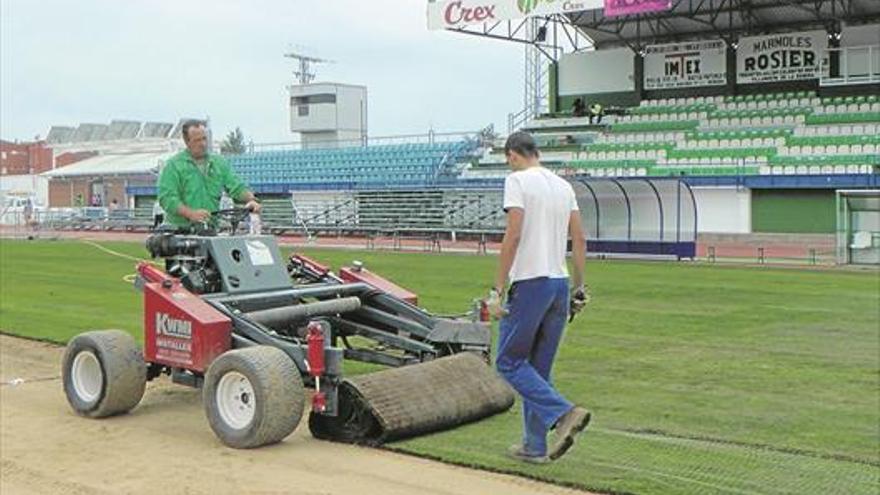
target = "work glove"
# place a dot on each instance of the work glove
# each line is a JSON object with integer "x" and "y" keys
{"x": 580, "y": 297}
{"x": 254, "y": 206}
{"x": 496, "y": 309}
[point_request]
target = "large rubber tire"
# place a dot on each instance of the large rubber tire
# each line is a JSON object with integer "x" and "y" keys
{"x": 253, "y": 397}
{"x": 103, "y": 373}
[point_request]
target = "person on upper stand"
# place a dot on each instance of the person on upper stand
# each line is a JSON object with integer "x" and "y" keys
{"x": 596, "y": 112}
{"x": 578, "y": 109}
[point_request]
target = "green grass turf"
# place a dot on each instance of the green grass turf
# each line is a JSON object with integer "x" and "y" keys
{"x": 702, "y": 379}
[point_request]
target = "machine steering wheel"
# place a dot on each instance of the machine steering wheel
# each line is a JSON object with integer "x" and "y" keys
{"x": 232, "y": 215}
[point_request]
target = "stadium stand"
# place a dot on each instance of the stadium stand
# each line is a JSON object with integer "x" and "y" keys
{"x": 369, "y": 166}
{"x": 770, "y": 133}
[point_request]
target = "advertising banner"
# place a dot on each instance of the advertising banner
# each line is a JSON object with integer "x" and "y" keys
{"x": 686, "y": 65}
{"x": 445, "y": 14}
{"x": 627, "y": 7}
{"x": 781, "y": 57}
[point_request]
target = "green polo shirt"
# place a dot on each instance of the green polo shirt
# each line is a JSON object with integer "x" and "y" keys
{"x": 199, "y": 187}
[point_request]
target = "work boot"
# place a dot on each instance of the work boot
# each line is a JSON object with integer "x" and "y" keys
{"x": 567, "y": 428}
{"x": 519, "y": 453}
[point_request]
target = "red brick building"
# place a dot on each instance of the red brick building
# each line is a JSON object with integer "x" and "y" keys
{"x": 25, "y": 158}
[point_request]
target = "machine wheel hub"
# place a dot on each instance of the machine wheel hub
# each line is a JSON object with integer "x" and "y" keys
{"x": 88, "y": 377}
{"x": 235, "y": 400}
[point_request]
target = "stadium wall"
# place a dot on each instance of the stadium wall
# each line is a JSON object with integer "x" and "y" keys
{"x": 797, "y": 211}
{"x": 724, "y": 210}
{"x": 62, "y": 192}
{"x": 597, "y": 76}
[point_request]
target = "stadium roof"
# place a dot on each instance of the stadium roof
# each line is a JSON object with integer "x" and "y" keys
{"x": 89, "y": 132}
{"x": 59, "y": 134}
{"x": 686, "y": 20}
{"x": 117, "y": 130}
{"x": 112, "y": 164}
{"x": 123, "y": 129}
{"x": 728, "y": 19}
{"x": 156, "y": 130}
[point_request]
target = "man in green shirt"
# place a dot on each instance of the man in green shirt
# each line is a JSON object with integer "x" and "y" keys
{"x": 193, "y": 181}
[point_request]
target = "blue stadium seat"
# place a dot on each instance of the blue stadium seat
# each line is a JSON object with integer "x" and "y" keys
{"x": 396, "y": 163}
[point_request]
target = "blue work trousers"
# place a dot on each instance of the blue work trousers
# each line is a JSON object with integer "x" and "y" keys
{"x": 527, "y": 344}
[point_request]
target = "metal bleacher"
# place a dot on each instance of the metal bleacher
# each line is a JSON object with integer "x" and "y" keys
{"x": 399, "y": 213}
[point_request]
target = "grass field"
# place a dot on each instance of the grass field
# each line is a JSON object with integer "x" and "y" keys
{"x": 702, "y": 379}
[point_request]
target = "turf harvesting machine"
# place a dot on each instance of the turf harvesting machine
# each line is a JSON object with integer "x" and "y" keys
{"x": 230, "y": 316}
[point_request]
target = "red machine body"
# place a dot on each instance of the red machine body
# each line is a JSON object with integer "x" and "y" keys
{"x": 353, "y": 275}
{"x": 180, "y": 329}
{"x": 315, "y": 341}
{"x": 315, "y": 356}
{"x": 318, "y": 268}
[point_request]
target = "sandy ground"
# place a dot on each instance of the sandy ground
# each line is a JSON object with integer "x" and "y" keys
{"x": 166, "y": 446}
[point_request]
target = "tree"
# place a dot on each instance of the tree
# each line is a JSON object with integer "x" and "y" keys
{"x": 234, "y": 143}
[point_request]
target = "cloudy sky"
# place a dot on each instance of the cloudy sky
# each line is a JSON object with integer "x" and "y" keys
{"x": 66, "y": 62}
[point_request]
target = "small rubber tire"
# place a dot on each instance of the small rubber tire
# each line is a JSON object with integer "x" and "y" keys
{"x": 253, "y": 397}
{"x": 103, "y": 373}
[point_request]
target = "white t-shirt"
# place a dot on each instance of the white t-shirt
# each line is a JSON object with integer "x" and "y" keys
{"x": 547, "y": 201}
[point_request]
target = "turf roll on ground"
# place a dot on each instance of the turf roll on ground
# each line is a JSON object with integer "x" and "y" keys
{"x": 413, "y": 400}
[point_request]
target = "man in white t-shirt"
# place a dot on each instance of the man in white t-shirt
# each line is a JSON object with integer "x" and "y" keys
{"x": 542, "y": 213}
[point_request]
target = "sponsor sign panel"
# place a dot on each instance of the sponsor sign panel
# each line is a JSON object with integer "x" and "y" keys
{"x": 627, "y": 7}
{"x": 446, "y": 14}
{"x": 686, "y": 65}
{"x": 781, "y": 57}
